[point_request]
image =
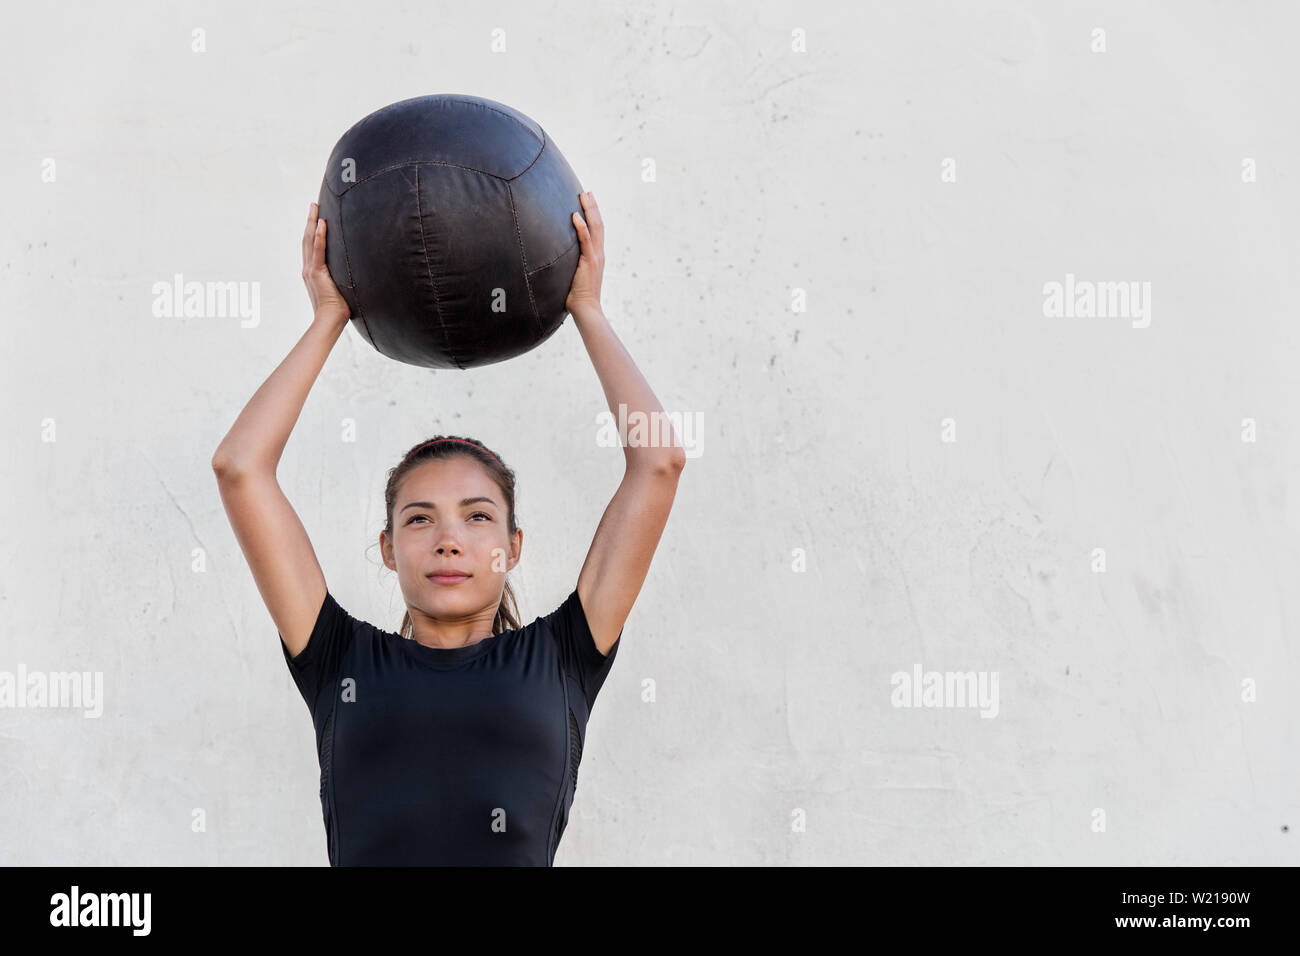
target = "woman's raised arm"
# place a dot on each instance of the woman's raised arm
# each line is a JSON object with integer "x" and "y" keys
{"x": 629, "y": 531}
{"x": 269, "y": 532}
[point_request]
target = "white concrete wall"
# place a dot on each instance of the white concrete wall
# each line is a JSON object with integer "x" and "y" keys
{"x": 772, "y": 738}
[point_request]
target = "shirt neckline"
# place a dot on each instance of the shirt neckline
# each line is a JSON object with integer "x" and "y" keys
{"x": 446, "y": 656}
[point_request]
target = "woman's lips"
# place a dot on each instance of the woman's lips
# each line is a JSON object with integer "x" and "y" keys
{"x": 448, "y": 578}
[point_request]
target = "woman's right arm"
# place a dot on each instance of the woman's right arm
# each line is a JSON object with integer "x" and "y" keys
{"x": 271, "y": 536}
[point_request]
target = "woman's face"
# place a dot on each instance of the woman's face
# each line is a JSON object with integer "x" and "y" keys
{"x": 451, "y": 516}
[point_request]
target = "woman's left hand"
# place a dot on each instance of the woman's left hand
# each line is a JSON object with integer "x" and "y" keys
{"x": 584, "y": 294}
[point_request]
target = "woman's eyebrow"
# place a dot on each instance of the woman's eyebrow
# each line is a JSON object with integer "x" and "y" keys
{"x": 463, "y": 502}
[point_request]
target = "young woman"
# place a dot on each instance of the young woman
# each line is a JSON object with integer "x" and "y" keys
{"x": 457, "y": 741}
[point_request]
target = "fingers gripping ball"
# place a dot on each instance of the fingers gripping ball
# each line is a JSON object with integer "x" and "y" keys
{"x": 451, "y": 234}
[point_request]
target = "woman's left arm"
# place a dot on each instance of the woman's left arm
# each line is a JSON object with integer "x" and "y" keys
{"x": 629, "y": 530}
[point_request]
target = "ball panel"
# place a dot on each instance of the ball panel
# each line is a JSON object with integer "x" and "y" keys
{"x": 551, "y": 286}
{"x": 476, "y": 263}
{"x": 336, "y": 258}
{"x": 384, "y": 246}
{"x": 546, "y": 197}
{"x": 464, "y": 131}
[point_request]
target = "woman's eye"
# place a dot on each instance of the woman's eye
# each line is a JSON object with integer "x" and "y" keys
{"x": 477, "y": 514}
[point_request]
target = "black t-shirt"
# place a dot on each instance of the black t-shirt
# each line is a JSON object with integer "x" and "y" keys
{"x": 463, "y": 756}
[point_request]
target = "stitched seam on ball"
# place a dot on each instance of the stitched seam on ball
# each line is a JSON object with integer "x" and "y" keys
{"x": 428, "y": 267}
{"x": 422, "y": 162}
{"x": 347, "y": 259}
{"x": 484, "y": 106}
{"x": 415, "y": 162}
{"x": 524, "y": 255}
{"x": 535, "y": 159}
{"x": 534, "y": 272}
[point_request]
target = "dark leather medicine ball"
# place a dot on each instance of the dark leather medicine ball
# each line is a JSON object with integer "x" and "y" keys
{"x": 449, "y": 230}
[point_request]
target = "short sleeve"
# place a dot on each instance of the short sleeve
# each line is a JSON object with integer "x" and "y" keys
{"x": 579, "y": 655}
{"x": 318, "y": 666}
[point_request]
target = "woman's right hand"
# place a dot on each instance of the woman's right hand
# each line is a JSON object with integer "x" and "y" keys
{"x": 326, "y": 301}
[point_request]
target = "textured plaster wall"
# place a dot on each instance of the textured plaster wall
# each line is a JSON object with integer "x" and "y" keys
{"x": 838, "y": 271}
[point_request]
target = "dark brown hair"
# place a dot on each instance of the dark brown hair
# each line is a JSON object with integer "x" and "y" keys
{"x": 441, "y": 448}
